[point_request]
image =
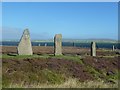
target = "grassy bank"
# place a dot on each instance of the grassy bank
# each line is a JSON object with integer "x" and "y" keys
{"x": 49, "y": 71}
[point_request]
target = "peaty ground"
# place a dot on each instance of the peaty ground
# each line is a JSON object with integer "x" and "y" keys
{"x": 75, "y": 69}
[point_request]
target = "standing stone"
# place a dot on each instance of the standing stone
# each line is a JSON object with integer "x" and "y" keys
{"x": 73, "y": 44}
{"x": 24, "y": 46}
{"x": 45, "y": 44}
{"x": 93, "y": 49}
{"x": 38, "y": 44}
{"x": 58, "y": 44}
{"x": 113, "y": 48}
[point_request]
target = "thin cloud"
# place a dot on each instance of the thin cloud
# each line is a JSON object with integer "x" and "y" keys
{"x": 11, "y": 33}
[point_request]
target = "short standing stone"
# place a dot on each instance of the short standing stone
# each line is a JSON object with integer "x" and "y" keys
{"x": 38, "y": 44}
{"x": 113, "y": 48}
{"x": 24, "y": 46}
{"x": 93, "y": 49}
{"x": 45, "y": 44}
{"x": 58, "y": 44}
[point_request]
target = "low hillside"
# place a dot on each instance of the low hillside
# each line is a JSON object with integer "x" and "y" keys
{"x": 67, "y": 71}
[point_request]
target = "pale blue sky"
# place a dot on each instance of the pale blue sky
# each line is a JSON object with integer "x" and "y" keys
{"x": 73, "y": 20}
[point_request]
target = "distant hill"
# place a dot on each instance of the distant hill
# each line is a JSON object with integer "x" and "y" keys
{"x": 90, "y": 40}
{"x": 81, "y": 40}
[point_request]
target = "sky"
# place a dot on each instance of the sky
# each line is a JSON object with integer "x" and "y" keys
{"x": 74, "y": 20}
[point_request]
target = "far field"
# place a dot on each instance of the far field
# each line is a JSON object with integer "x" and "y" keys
{"x": 74, "y": 69}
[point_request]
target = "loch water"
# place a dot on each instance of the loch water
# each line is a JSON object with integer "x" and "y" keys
{"x": 69, "y": 44}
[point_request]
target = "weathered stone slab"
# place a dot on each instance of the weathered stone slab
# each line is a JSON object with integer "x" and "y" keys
{"x": 45, "y": 44}
{"x": 24, "y": 46}
{"x": 58, "y": 44}
{"x": 113, "y": 48}
{"x": 93, "y": 49}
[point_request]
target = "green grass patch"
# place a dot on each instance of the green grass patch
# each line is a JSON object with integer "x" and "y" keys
{"x": 109, "y": 56}
{"x": 93, "y": 71}
{"x": 74, "y": 58}
{"x": 24, "y": 56}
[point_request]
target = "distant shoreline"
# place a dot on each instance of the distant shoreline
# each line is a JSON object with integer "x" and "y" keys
{"x": 68, "y": 44}
{"x": 70, "y": 40}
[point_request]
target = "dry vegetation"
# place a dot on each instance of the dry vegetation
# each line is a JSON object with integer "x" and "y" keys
{"x": 70, "y": 83}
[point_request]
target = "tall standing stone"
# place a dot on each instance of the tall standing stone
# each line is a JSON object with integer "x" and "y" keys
{"x": 93, "y": 49}
{"x": 58, "y": 44}
{"x": 24, "y": 46}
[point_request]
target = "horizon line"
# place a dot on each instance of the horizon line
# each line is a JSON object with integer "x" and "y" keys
{"x": 64, "y": 39}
